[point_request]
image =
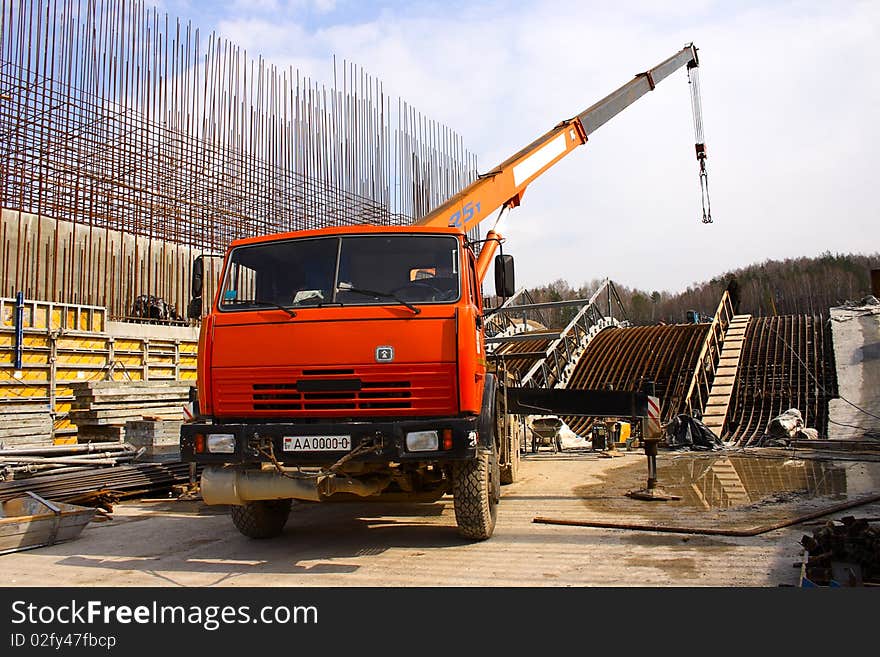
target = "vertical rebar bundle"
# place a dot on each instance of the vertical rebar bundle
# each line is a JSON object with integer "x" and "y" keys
{"x": 157, "y": 142}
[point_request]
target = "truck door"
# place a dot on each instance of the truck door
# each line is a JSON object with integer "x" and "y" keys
{"x": 471, "y": 341}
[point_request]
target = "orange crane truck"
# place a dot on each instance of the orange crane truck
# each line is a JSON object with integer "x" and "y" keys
{"x": 350, "y": 362}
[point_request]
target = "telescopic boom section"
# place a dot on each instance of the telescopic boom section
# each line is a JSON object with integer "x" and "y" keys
{"x": 506, "y": 183}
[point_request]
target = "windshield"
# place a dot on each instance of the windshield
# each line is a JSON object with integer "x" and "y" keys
{"x": 350, "y": 270}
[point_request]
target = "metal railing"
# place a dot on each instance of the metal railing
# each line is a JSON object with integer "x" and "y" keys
{"x": 704, "y": 372}
{"x": 557, "y": 361}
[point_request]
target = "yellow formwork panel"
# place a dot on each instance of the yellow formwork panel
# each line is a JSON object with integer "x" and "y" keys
{"x": 131, "y": 375}
{"x": 123, "y": 344}
{"x": 81, "y": 359}
{"x": 81, "y": 342}
{"x": 29, "y": 341}
{"x": 41, "y": 317}
{"x": 7, "y": 340}
{"x": 24, "y": 390}
{"x": 134, "y": 360}
{"x": 26, "y": 377}
{"x": 80, "y": 375}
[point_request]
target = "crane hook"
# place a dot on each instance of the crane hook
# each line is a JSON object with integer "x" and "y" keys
{"x": 697, "y": 105}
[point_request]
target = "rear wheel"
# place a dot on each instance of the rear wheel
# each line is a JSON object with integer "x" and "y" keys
{"x": 475, "y": 492}
{"x": 261, "y": 519}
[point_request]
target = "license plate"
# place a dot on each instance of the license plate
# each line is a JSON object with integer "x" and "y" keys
{"x": 317, "y": 443}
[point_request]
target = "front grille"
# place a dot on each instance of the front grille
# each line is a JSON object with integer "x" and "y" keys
{"x": 394, "y": 394}
{"x": 367, "y": 390}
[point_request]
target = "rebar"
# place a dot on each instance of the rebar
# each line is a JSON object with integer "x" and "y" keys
{"x": 156, "y": 143}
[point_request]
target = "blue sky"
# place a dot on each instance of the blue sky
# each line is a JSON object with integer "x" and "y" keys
{"x": 790, "y": 100}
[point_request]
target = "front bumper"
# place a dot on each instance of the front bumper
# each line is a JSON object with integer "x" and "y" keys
{"x": 254, "y": 441}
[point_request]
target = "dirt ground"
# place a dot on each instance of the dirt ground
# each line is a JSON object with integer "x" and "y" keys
{"x": 369, "y": 544}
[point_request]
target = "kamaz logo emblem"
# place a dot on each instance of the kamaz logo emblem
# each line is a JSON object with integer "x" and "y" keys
{"x": 384, "y": 354}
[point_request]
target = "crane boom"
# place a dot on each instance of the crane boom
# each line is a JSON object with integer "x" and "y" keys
{"x": 504, "y": 185}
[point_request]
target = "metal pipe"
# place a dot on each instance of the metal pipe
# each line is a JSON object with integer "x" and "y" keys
{"x": 67, "y": 449}
{"x": 19, "y": 328}
{"x": 711, "y": 531}
{"x": 64, "y": 460}
{"x": 233, "y": 486}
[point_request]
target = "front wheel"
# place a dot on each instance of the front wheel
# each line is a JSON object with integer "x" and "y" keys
{"x": 475, "y": 493}
{"x": 261, "y": 519}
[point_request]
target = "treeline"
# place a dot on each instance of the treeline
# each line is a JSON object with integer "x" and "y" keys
{"x": 788, "y": 287}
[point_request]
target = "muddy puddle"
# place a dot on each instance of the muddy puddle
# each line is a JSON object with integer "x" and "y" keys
{"x": 733, "y": 491}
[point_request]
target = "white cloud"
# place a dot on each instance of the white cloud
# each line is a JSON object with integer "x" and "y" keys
{"x": 790, "y": 96}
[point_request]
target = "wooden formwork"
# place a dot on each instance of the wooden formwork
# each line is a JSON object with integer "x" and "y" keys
{"x": 64, "y": 344}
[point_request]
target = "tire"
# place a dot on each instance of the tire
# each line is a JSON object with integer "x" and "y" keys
{"x": 475, "y": 492}
{"x": 559, "y": 444}
{"x": 262, "y": 519}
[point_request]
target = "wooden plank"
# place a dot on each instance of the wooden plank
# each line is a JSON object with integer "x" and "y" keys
{"x": 129, "y": 396}
{"x": 121, "y": 406}
{"x": 120, "y": 385}
{"x": 78, "y": 416}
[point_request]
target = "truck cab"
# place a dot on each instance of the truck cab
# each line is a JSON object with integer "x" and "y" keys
{"x": 346, "y": 362}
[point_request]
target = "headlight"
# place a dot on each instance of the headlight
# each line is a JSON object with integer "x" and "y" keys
{"x": 421, "y": 441}
{"x": 221, "y": 443}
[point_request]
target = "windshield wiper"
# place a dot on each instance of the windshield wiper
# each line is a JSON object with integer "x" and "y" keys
{"x": 259, "y": 302}
{"x": 384, "y": 295}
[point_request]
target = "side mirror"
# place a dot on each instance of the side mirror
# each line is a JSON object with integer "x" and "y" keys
{"x": 505, "y": 286}
{"x": 198, "y": 275}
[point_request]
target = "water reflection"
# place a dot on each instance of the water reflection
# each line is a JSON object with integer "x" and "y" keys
{"x": 724, "y": 482}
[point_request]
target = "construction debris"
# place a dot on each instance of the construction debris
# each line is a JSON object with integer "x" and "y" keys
{"x": 842, "y": 553}
{"x": 687, "y": 432}
{"x": 785, "y": 428}
{"x": 123, "y": 481}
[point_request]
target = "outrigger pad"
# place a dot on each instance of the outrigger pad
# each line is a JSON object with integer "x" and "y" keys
{"x": 652, "y": 495}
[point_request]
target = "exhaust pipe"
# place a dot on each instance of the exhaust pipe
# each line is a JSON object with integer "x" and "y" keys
{"x": 238, "y": 487}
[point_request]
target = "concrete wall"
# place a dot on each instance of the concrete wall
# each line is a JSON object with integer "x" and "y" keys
{"x": 51, "y": 260}
{"x": 856, "y": 333}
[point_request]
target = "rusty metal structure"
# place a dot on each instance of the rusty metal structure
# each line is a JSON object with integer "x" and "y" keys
{"x": 540, "y": 357}
{"x": 787, "y": 362}
{"x": 130, "y": 141}
{"x": 631, "y": 358}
